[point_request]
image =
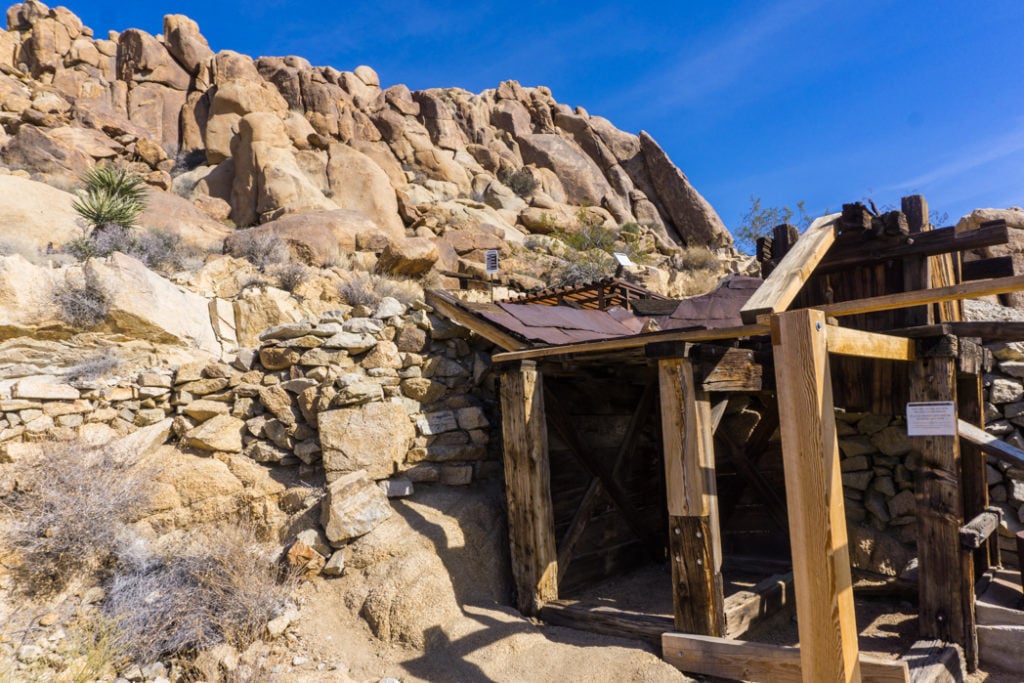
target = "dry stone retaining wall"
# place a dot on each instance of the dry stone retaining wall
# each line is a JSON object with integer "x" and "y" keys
{"x": 390, "y": 390}
{"x": 878, "y": 464}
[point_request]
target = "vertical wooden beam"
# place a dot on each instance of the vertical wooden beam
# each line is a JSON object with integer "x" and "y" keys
{"x": 946, "y": 571}
{"x": 694, "y": 539}
{"x": 814, "y": 493}
{"x": 970, "y": 398}
{"x": 531, "y": 526}
{"x": 916, "y": 269}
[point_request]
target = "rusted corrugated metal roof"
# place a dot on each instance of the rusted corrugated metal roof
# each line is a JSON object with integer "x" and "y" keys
{"x": 553, "y": 325}
{"x": 557, "y": 324}
{"x": 601, "y": 294}
{"x": 718, "y": 308}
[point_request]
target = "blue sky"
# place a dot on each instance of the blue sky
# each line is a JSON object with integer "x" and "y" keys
{"x": 826, "y": 102}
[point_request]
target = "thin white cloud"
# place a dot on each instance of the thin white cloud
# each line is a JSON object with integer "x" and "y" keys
{"x": 724, "y": 60}
{"x": 977, "y": 154}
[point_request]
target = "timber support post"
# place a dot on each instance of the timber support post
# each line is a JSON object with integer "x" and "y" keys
{"x": 694, "y": 539}
{"x": 946, "y": 570}
{"x": 817, "y": 521}
{"x": 528, "y": 486}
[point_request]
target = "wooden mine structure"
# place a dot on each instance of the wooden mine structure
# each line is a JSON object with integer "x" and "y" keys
{"x": 862, "y": 310}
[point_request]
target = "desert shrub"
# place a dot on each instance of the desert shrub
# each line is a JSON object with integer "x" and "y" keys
{"x": 695, "y": 258}
{"x": 520, "y": 181}
{"x": 367, "y": 289}
{"x": 587, "y": 267}
{"x": 590, "y": 233}
{"x": 68, "y": 516}
{"x": 262, "y": 249}
{"x": 81, "y": 305}
{"x": 93, "y": 367}
{"x": 114, "y": 196}
{"x": 160, "y": 250}
{"x": 10, "y": 245}
{"x": 219, "y": 585}
{"x": 253, "y": 281}
{"x": 291, "y": 275}
{"x": 166, "y": 252}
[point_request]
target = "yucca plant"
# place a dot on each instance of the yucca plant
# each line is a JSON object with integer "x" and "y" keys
{"x": 114, "y": 197}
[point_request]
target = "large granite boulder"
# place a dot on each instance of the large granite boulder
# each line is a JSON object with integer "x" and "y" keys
{"x": 35, "y": 215}
{"x": 268, "y": 181}
{"x": 696, "y": 222}
{"x": 374, "y": 437}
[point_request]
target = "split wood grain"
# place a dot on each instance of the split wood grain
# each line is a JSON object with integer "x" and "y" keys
{"x": 777, "y": 292}
{"x": 817, "y": 523}
{"x": 528, "y": 488}
{"x": 694, "y": 535}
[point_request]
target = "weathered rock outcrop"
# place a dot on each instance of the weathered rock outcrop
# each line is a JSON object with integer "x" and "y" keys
{"x": 277, "y": 136}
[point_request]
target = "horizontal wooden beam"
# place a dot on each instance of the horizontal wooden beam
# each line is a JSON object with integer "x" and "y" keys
{"x": 991, "y": 445}
{"x": 635, "y": 341}
{"x": 890, "y": 302}
{"x": 728, "y": 369}
{"x": 777, "y": 292}
{"x": 846, "y": 341}
{"x": 606, "y": 620}
{"x": 749, "y": 661}
{"x": 451, "y": 308}
{"x": 997, "y": 266}
{"x": 975, "y": 532}
{"x": 852, "y": 250}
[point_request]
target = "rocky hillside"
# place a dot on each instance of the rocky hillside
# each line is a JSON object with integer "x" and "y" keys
{"x": 258, "y": 141}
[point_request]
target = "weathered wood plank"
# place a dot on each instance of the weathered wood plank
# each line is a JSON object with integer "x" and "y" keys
{"x": 777, "y": 292}
{"x": 694, "y": 536}
{"x": 888, "y": 302}
{"x": 606, "y": 620}
{"x": 743, "y": 456}
{"x": 762, "y": 662}
{"x": 992, "y": 445}
{"x": 745, "y": 608}
{"x": 977, "y": 531}
{"x": 450, "y": 307}
{"x": 946, "y": 571}
{"x": 995, "y": 330}
{"x": 817, "y": 521}
{"x": 933, "y": 661}
{"x": 561, "y": 422}
{"x": 592, "y": 495}
{"x": 847, "y": 341}
{"x": 729, "y": 369}
{"x": 698, "y": 598}
{"x": 528, "y": 487}
{"x": 971, "y": 397}
{"x": 997, "y": 266}
{"x": 916, "y": 273}
{"x": 850, "y": 252}
{"x": 633, "y": 342}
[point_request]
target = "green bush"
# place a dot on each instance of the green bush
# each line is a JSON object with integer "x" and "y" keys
{"x": 520, "y": 181}
{"x": 114, "y": 196}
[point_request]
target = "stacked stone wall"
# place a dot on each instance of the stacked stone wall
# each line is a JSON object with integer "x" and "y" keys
{"x": 392, "y": 390}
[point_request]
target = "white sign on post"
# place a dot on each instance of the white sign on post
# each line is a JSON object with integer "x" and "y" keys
{"x": 491, "y": 261}
{"x": 934, "y": 418}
